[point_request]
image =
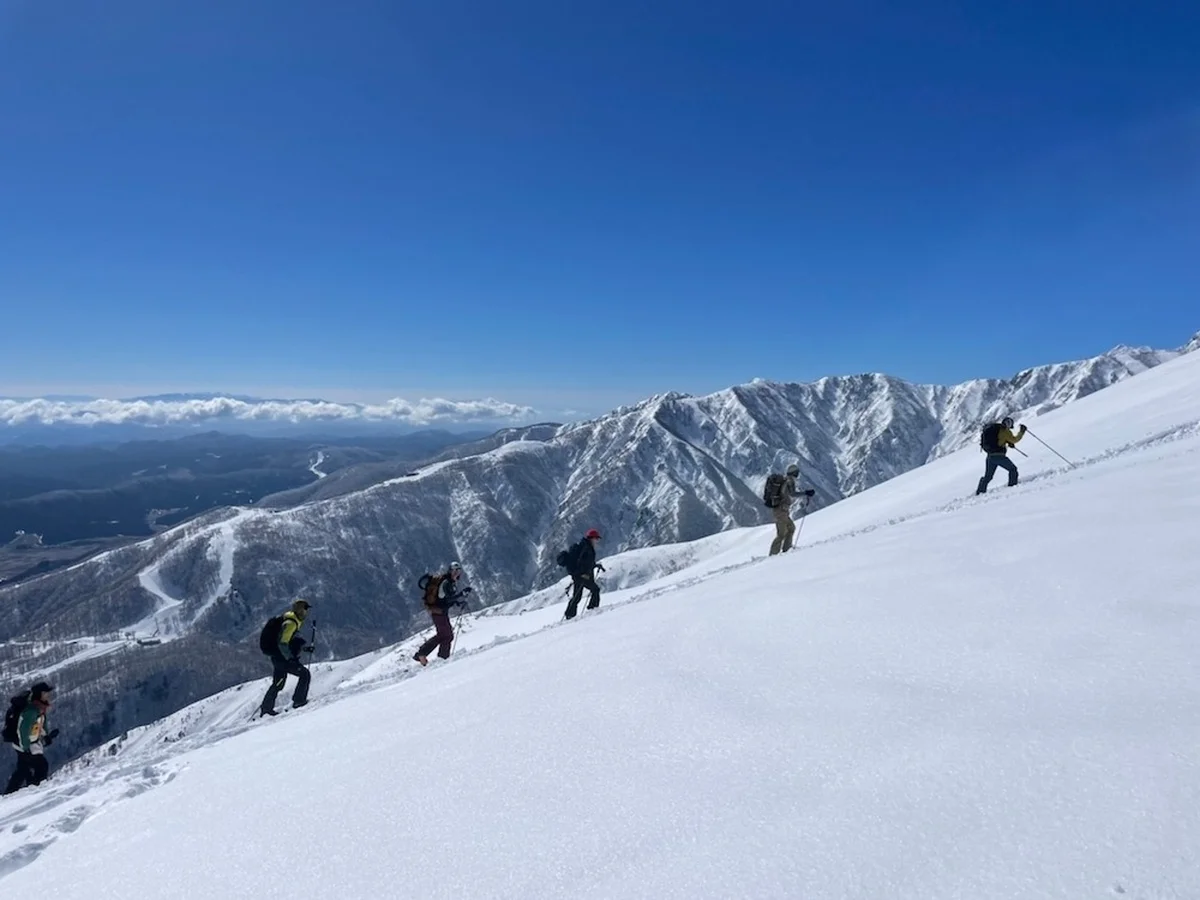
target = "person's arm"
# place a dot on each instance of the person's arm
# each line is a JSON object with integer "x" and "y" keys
{"x": 290, "y": 626}
{"x": 1007, "y": 438}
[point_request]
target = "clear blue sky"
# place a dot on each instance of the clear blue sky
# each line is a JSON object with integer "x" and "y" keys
{"x": 579, "y": 204}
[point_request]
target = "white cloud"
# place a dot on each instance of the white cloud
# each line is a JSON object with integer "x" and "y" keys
{"x": 196, "y": 411}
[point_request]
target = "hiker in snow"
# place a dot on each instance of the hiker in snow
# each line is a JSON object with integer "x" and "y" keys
{"x": 441, "y": 594}
{"x": 779, "y": 493}
{"x": 582, "y": 566}
{"x": 25, "y": 730}
{"x": 285, "y": 653}
{"x": 997, "y": 437}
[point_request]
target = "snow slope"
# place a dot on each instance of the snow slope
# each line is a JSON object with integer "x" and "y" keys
{"x": 939, "y": 696}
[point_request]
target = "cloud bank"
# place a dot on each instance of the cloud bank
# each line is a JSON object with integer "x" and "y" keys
{"x": 157, "y": 412}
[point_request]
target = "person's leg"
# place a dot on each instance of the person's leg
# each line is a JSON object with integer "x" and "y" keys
{"x": 1009, "y": 466}
{"x": 278, "y": 680}
{"x": 576, "y": 596}
{"x": 444, "y": 634}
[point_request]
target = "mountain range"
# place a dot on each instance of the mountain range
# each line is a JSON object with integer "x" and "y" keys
{"x": 162, "y": 622}
{"x": 936, "y": 696}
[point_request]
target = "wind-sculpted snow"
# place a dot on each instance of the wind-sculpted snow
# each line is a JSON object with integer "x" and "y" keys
{"x": 935, "y": 695}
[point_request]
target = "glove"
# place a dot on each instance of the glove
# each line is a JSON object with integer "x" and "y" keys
{"x": 809, "y": 492}
{"x": 466, "y": 591}
{"x": 48, "y": 738}
{"x": 307, "y": 648}
{"x": 1023, "y": 428}
{"x": 601, "y": 568}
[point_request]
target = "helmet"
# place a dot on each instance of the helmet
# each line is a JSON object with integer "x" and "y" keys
{"x": 793, "y": 469}
{"x": 592, "y": 533}
{"x": 454, "y": 565}
{"x": 1007, "y": 422}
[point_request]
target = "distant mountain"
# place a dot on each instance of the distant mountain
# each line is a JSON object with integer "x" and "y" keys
{"x": 672, "y": 468}
{"x": 82, "y": 499}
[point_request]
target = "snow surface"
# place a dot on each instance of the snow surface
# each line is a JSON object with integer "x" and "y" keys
{"x": 938, "y": 696}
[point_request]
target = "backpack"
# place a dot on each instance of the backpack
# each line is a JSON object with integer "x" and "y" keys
{"x": 15, "y": 707}
{"x": 569, "y": 558}
{"x": 773, "y": 490}
{"x": 430, "y": 585}
{"x": 268, "y": 638}
{"x": 989, "y": 440}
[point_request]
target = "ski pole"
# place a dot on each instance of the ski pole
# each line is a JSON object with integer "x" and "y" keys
{"x": 1051, "y": 449}
{"x": 803, "y": 516}
{"x": 457, "y": 625}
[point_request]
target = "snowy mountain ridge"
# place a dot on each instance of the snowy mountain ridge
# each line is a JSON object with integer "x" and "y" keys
{"x": 1019, "y": 725}
{"x": 669, "y": 470}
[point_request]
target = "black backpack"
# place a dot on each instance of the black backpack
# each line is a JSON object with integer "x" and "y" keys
{"x": 268, "y": 638}
{"x": 569, "y": 558}
{"x": 16, "y": 706}
{"x": 989, "y": 440}
{"x": 773, "y": 490}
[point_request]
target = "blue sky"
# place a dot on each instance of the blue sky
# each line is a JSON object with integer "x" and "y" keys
{"x": 574, "y": 205}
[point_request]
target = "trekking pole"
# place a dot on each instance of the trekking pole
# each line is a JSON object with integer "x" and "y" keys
{"x": 1051, "y": 449}
{"x": 1019, "y": 450}
{"x": 803, "y": 516}
{"x": 457, "y": 625}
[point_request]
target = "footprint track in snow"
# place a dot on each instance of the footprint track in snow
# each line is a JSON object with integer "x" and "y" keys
{"x": 138, "y": 780}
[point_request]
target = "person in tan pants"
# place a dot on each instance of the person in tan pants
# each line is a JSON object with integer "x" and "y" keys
{"x": 785, "y": 527}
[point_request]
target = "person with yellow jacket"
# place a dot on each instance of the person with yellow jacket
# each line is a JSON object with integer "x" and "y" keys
{"x": 285, "y": 659}
{"x": 997, "y": 437}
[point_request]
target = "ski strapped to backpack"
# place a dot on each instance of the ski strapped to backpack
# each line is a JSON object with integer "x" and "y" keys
{"x": 12, "y": 718}
{"x": 773, "y": 490}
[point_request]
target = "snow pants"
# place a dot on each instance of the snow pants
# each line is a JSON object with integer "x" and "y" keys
{"x": 282, "y": 669}
{"x": 997, "y": 461}
{"x": 785, "y": 530}
{"x": 578, "y": 583}
{"x": 32, "y": 769}
{"x": 443, "y": 636}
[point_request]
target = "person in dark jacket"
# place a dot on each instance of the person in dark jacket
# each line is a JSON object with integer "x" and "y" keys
{"x": 785, "y": 526}
{"x": 440, "y": 599}
{"x": 32, "y": 739}
{"x": 583, "y": 573}
{"x": 996, "y": 439}
{"x": 286, "y": 660}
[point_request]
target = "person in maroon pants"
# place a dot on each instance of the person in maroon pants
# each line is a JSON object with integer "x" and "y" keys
{"x": 441, "y": 594}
